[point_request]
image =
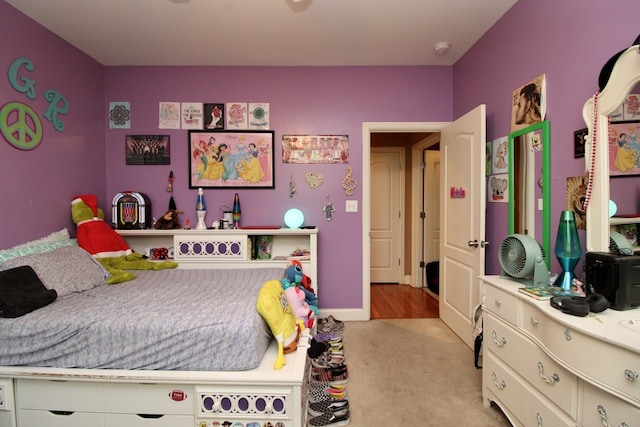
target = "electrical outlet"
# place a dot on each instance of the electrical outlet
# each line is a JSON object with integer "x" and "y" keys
{"x": 351, "y": 206}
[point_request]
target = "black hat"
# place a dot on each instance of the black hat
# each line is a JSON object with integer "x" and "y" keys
{"x": 605, "y": 73}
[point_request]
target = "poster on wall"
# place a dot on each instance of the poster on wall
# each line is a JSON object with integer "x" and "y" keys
{"x": 214, "y": 116}
{"x": 624, "y": 148}
{"x": 258, "y": 115}
{"x": 498, "y": 188}
{"x": 631, "y": 107}
{"x": 192, "y": 116}
{"x": 119, "y": 115}
{"x": 315, "y": 149}
{"x": 169, "y": 115}
{"x": 500, "y": 155}
{"x": 236, "y": 115}
{"x": 147, "y": 150}
{"x": 528, "y": 104}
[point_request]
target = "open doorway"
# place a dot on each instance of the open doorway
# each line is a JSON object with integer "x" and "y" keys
{"x": 415, "y": 138}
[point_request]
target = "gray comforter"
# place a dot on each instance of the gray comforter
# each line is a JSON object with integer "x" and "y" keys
{"x": 164, "y": 320}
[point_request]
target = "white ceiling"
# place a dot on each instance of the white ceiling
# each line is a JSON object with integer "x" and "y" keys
{"x": 267, "y": 32}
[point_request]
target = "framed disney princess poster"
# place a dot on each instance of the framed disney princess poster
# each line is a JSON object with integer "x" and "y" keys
{"x": 231, "y": 159}
{"x": 624, "y": 148}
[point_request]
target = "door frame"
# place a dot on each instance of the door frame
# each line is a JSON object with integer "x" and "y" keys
{"x": 367, "y": 129}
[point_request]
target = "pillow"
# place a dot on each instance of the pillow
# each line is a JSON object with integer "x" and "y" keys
{"x": 49, "y": 238}
{"x": 35, "y": 248}
{"x": 22, "y": 291}
{"x": 68, "y": 269}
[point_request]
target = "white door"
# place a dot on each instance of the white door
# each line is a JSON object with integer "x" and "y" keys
{"x": 462, "y": 215}
{"x": 386, "y": 214}
{"x": 431, "y": 187}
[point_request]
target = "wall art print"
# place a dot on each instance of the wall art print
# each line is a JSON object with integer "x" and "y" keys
{"x": 498, "y": 188}
{"x": 119, "y": 115}
{"x": 500, "y": 155}
{"x": 624, "y": 148}
{"x": 147, "y": 150}
{"x": 231, "y": 159}
{"x": 315, "y": 149}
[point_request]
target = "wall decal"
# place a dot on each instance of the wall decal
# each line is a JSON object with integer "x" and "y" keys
{"x": 20, "y": 126}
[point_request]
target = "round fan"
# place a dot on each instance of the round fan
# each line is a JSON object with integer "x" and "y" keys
{"x": 522, "y": 257}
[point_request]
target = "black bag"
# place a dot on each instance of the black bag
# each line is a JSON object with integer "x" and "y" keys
{"x": 22, "y": 291}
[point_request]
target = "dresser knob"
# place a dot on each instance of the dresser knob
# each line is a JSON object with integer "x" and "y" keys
{"x": 534, "y": 322}
{"x": 501, "y": 385}
{"x": 630, "y": 375}
{"x": 603, "y": 415}
{"x": 497, "y": 302}
{"x": 567, "y": 335}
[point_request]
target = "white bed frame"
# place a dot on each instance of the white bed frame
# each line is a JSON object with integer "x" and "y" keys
{"x": 33, "y": 396}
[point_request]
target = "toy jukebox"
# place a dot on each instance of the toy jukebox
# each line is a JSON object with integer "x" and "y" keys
{"x": 131, "y": 210}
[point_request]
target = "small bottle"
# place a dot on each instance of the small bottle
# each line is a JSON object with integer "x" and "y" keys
{"x": 187, "y": 224}
{"x": 236, "y": 211}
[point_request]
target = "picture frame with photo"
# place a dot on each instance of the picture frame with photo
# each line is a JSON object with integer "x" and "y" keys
{"x": 624, "y": 148}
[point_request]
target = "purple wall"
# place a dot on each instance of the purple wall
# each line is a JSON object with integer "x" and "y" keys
{"x": 303, "y": 100}
{"x": 567, "y": 40}
{"x": 37, "y": 185}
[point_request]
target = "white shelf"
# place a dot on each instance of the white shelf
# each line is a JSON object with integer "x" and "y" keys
{"x": 618, "y": 220}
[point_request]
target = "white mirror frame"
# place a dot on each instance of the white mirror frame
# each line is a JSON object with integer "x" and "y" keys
{"x": 624, "y": 77}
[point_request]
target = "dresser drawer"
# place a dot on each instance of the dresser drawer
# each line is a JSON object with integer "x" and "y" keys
{"x": 35, "y": 418}
{"x": 501, "y": 303}
{"x": 532, "y": 364}
{"x": 157, "y": 399}
{"x": 521, "y": 400}
{"x": 600, "y": 408}
{"x": 133, "y": 420}
{"x": 596, "y": 360}
{"x": 70, "y": 396}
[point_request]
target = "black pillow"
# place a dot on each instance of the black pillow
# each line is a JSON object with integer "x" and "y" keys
{"x": 22, "y": 291}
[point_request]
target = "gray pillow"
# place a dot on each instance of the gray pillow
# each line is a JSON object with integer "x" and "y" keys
{"x": 68, "y": 269}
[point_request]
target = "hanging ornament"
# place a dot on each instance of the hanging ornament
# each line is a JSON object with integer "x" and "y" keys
{"x": 314, "y": 180}
{"x": 349, "y": 184}
{"x": 172, "y": 203}
{"x": 292, "y": 187}
{"x": 328, "y": 210}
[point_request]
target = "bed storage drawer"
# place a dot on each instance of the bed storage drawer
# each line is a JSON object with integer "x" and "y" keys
{"x": 133, "y": 420}
{"x": 48, "y": 395}
{"x": 159, "y": 399}
{"x": 29, "y": 417}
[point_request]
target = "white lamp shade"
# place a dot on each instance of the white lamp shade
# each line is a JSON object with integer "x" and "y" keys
{"x": 294, "y": 218}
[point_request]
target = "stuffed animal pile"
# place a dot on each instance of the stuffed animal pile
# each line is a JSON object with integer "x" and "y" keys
{"x": 103, "y": 243}
{"x": 300, "y": 296}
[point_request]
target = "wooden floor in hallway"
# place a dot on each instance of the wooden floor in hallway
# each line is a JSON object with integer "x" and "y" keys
{"x": 394, "y": 301}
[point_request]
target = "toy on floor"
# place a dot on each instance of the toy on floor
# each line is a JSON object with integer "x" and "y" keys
{"x": 273, "y": 307}
{"x": 103, "y": 243}
{"x": 296, "y": 296}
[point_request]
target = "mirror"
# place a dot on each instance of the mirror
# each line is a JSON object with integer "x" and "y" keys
{"x": 529, "y": 190}
{"x": 624, "y": 76}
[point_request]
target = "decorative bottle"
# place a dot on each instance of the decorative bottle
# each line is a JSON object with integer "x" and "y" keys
{"x": 236, "y": 211}
{"x": 201, "y": 210}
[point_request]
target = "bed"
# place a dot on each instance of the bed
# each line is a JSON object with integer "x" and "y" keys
{"x": 178, "y": 347}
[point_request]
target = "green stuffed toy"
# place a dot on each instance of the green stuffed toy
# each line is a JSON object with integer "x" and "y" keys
{"x": 105, "y": 245}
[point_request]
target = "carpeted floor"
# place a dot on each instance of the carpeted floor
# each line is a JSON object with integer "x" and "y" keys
{"x": 413, "y": 372}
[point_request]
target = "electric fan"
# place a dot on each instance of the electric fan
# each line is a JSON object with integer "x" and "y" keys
{"x": 522, "y": 258}
{"x": 619, "y": 245}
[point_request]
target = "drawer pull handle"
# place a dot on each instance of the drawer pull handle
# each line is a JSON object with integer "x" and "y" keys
{"x": 501, "y": 342}
{"x": 549, "y": 380}
{"x": 151, "y": 416}
{"x": 567, "y": 335}
{"x": 603, "y": 415}
{"x": 539, "y": 419}
{"x": 497, "y": 302}
{"x": 630, "y": 375}
{"x": 62, "y": 412}
{"x": 534, "y": 322}
{"x": 501, "y": 385}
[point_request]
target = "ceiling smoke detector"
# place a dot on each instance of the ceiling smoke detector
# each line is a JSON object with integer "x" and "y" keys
{"x": 442, "y": 48}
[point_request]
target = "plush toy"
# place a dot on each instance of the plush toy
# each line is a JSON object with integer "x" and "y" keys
{"x": 296, "y": 296}
{"x": 273, "y": 307}
{"x": 103, "y": 243}
{"x": 168, "y": 221}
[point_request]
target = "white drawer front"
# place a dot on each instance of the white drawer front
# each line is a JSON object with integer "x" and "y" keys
{"x": 512, "y": 392}
{"x": 532, "y": 364}
{"x": 29, "y": 418}
{"x": 600, "y": 408}
{"x": 59, "y": 395}
{"x": 132, "y": 420}
{"x": 619, "y": 370}
{"x": 156, "y": 399}
{"x": 501, "y": 303}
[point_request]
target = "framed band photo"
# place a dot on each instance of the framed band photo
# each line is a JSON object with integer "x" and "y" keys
{"x": 231, "y": 159}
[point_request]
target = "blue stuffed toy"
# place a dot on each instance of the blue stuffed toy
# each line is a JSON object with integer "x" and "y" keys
{"x": 297, "y": 295}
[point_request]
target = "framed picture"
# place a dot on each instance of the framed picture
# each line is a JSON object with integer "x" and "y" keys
{"x": 624, "y": 148}
{"x": 231, "y": 159}
{"x": 147, "y": 150}
{"x": 578, "y": 143}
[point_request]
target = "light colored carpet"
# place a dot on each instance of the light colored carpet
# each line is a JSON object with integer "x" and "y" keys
{"x": 413, "y": 372}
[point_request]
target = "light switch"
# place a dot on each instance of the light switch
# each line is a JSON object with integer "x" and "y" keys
{"x": 351, "y": 206}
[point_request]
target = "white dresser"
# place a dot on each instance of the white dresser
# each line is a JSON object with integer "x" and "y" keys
{"x": 546, "y": 368}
